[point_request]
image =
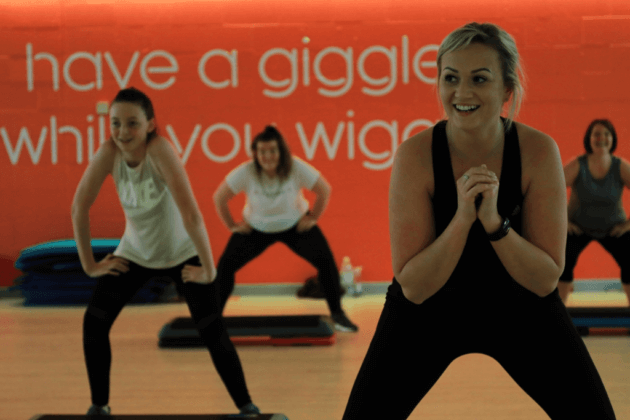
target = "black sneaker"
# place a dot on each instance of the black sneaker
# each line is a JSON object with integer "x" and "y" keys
{"x": 342, "y": 323}
{"x": 249, "y": 410}
{"x": 102, "y": 411}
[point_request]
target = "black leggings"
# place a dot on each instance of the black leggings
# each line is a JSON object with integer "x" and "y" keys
{"x": 310, "y": 245}
{"x": 536, "y": 343}
{"x": 619, "y": 248}
{"x": 113, "y": 292}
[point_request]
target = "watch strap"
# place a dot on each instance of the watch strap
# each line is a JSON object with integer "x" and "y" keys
{"x": 502, "y": 232}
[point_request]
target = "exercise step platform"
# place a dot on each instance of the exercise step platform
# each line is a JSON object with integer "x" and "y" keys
{"x": 282, "y": 330}
{"x": 162, "y": 417}
{"x": 601, "y": 320}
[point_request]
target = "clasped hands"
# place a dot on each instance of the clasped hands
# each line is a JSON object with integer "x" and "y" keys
{"x": 477, "y": 192}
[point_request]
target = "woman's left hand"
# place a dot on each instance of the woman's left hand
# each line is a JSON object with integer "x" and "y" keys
{"x": 620, "y": 229}
{"x": 306, "y": 223}
{"x": 197, "y": 274}
{"x": 487, "y": 211}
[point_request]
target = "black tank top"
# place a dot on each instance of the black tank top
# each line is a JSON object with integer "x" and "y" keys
{"x": 479, "y": 270}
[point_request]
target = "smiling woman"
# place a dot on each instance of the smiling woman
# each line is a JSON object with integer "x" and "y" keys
{"x": 505, "y": 66}
{"x": 597, "y": 180}
{"x": 276, "y": 211}
{"x": 131, "y": 130}
{"x": 464, "y": 248}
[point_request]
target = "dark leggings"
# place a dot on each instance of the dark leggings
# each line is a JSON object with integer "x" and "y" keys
{"x": 414, "y": 344}
{"x": 619, "y": 248}
{"x": 310, "y": 245}
{"x": 113, "y": 292}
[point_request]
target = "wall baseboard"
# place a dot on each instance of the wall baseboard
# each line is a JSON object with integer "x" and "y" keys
{"x": 380, "y": 288}
{"x": 369, "y": 288}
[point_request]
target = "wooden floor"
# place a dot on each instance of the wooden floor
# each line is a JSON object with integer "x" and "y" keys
{"x": 43, "y": 371}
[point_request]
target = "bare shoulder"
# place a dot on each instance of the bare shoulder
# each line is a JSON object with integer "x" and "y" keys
{"x": 106, "y": 155}
{"x": 163, "y": 156}
{"x": 159, "y": 146}
{"x": 573, "y": 165}
{"x": 624, "y": 169}
{"x": 536, "y": 148}
{"x": 534, "y": 143}
{"x": 417, "y": 143}
{"x": 414, "y": 159}
{"x": 540, "y": 155}
{"x": 624, "y": 163}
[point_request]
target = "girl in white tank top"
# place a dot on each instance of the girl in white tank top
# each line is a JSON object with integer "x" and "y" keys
{"x": 165, "y": 235}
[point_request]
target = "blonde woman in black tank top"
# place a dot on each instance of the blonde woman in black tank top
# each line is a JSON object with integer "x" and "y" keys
{"x": 465, "y": 282}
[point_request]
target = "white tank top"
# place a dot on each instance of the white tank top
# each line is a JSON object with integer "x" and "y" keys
{"x": 155, "y": 236}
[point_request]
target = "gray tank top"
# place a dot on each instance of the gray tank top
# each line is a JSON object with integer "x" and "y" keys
{"x": 155, "y": 236}
{"x": 599, "y": 206}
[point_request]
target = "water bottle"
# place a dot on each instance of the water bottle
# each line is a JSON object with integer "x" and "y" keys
{"x": 357, "y": 289}
{"x": 346, "y": 273}
{"x": 349, "y": 277}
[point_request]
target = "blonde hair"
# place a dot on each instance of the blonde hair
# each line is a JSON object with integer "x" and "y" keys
{"x": 503, "y": 43}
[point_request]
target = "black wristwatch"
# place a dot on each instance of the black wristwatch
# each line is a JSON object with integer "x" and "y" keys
{"x": 502, "y": 232}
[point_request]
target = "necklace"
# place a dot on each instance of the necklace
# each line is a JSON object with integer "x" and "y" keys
{"x": 265, "y": 185}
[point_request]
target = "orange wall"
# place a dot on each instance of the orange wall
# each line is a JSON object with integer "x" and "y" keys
{"x": 576, "y": 55}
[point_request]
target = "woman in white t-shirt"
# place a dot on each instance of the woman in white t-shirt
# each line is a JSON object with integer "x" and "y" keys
{"x": 276, "y": 211}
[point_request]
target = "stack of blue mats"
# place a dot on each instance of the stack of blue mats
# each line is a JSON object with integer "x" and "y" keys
{"x": 53, "y": 275}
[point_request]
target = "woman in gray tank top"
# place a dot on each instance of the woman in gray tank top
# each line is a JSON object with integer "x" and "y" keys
{"x": 165, "y": 236}
{"x": 596, "y": 213}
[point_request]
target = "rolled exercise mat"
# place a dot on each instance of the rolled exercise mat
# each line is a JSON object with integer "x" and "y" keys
{"x": 53, "y": 275}
{"x": 601, "y": 320}
{"x": 60, "y": 255}
{"x": 283, "y": 330}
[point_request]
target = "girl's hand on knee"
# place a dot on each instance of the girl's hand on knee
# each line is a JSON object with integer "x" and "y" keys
{"x": 243, "y": 228}
{"x": 196, "y": 274}
{"x": 110, "y": 265}
{"x": 620, "y": 229}
{"x": 574, "y": 229}
{"x": 306, "y": 223}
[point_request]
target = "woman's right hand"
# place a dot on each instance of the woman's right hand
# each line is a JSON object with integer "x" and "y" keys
{"x": 574, "y": 229}
{"x": 243, "y": 228}
{"x": 110, "y": 265}
{"x": 470, "y": 186}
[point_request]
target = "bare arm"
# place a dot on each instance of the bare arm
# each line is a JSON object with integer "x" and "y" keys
{"x": 171, "y": 168}
{"x": 222, "y": 195}
{"x": 422, "y": 263}
{"x": 622, "y": 228}
{"x": 625, "y": 172}
{"x": 322, "y": 190}
{"x": 536, "y": 259}
{"x": 84, "y": 197}
{"x": 571, "y": 172}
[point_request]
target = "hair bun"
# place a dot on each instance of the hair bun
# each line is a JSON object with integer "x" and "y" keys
{"x": 270, "y": 129}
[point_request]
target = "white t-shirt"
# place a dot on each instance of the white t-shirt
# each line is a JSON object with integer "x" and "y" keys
{"x": 273, "y": 206}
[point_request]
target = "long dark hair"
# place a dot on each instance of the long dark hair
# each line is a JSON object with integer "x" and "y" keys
{"x": 589, "y": 131}
{"x": 284, "y": 164}
{"x": 134, "y": 96}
